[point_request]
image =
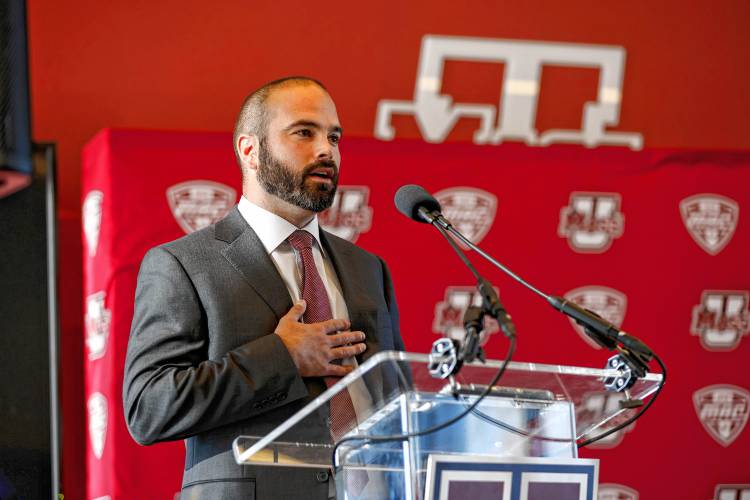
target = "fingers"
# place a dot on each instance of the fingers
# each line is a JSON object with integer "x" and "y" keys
{"x": 334, "y": 325}
{"x": 348, "y": 351}
{"x": 345, "y": 338}
{"x": 297, "y": 310}
{"x": 338, "y": 370}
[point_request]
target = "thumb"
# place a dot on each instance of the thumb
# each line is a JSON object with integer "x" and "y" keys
{"x": 297, "y": 310}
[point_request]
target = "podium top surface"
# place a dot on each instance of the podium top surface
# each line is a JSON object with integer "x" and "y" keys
{"x": 401, "y": 380}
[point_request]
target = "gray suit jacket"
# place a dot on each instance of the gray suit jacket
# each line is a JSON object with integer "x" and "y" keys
{"x": 204, "y": 365}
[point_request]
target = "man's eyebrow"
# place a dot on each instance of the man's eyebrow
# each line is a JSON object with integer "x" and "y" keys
{"x": 308, "y": 123}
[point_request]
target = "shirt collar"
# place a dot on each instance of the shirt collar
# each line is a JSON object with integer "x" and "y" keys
{"x": 271, "y": 229}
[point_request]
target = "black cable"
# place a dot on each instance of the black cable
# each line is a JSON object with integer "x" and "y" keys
{"x": 516, "y": 430}
{"x": 491, "y": 306}
{"x": 431, "y": 213}
{"x": 446, "y": 225}
{"x": 530, "y": 435}
{"x": 490, "y": 301}
{"x": 472, "y": 409}
{"x": 430, "y": 430}
{"x": 637, "y": 415}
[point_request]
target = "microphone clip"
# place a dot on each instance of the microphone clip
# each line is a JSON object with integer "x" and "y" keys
{"x": 471, "y": 348}
{"x": 474, "y": 322}
{"x": 602, "y": 340}
{"x": 492, "y": 307}
{"x": 449, "y": 355}
{"x": 427, "y": 215}
{"x": 631, "y": 360}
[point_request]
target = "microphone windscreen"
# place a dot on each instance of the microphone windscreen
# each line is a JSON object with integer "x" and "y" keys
{"x": 410, "y": 198}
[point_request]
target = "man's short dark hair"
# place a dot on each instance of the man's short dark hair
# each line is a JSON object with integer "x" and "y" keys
{"x": 253, "y": 117}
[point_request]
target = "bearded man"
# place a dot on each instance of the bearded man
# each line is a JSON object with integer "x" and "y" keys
{"x": 239, "y": 325}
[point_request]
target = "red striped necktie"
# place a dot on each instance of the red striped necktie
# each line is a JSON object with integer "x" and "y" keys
{"x": 343, "y": 417}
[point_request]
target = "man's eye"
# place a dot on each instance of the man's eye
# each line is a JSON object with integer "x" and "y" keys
{"x": 304, "y": 132}
{"x": 334, "y": 138}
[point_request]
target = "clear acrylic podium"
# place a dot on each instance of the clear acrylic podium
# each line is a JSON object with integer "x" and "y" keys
{"x": 534, "y": 411}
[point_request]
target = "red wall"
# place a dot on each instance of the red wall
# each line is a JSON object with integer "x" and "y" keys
{"x": 187, "y": 65}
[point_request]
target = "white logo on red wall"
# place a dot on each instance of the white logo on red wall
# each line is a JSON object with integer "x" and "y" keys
{"x": 608, "y": 303}
{"x": 732, "y": 492}
{"x": 591, "y": 221}
{"x": 723, "y": 411}
{"x": 92, "y": 219}
{"x": 710, "y": 219}
{"x": 612, "y": 491}
{"x": 449, "y": 314}
{"x": 98, "y": 319}
{"x": 349, "y": 215}
{"x": 513, "y": 118}
{"x": 472, "y": 211}
{"x": 97, "y": 408}
{"x": 721, "y": 319}
{"x": 595, "y": 407}
{"x": 197, "y": 204}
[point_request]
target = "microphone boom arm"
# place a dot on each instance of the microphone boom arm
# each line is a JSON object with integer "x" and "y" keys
{"x": 634, "y": 351}
{"x": 491, "y": 305}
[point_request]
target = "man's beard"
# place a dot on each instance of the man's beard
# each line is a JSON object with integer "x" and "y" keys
{"x": 276, "y": 178}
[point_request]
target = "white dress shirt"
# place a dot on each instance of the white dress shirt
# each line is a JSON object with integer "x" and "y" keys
{"x": 273, "y": 232}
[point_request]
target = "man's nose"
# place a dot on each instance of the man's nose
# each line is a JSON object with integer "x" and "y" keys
{"x": 323, "y": 149}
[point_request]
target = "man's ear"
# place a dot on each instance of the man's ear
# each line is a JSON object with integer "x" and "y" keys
{"x": 247, "y": 150}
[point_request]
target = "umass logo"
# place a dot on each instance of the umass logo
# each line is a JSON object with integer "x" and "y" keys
{"x": 349, "y": 215}
{"x": 595, "y": 406}
{"x": 721, "y": 319}
{"x": 449, "y": 314}
{"x": 591, "y": 221}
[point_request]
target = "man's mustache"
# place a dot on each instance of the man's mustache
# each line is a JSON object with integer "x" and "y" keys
{"x": 322, "y": 164}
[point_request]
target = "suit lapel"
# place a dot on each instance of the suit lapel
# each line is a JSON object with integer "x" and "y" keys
{"x": 248, "y": 256}
{"x": 362, "y": 310}
{"x": 350, "y": 275}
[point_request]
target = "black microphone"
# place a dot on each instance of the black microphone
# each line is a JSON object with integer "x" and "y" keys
{"x": 416, "y": 203}
{"x": 600, "y": 330}
{"x": 633, "y": 355}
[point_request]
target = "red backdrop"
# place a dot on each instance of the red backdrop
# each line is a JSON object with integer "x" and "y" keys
{"x": 648, "y": 251}
{"x": 187, "y": 65}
